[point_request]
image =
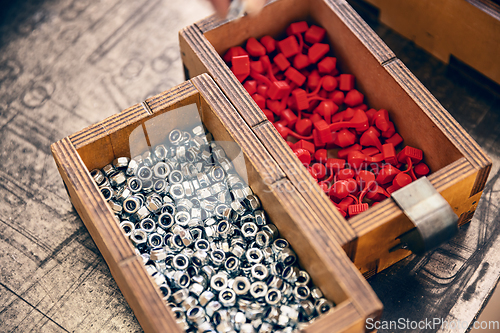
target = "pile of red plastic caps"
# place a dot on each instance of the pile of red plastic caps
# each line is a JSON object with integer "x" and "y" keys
{"x": 350, "y": 149}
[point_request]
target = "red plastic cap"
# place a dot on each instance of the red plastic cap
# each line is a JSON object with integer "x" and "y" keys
{"x": 313, "y": 80}
{"x": 297, "y": 28}
{"x": 301, "y": 61}
{"x": 421, "y": 169}
{"x": 257, "y": 66}
{"x": 261, "y": 101}
{"x": 289, "y": 46}
{"x": 234, "y": 51}
{"x": 269, "y": 115}
{"x": 269, "y": 43}
{"x": 321, "y": 156}
{"x": 344, "y": 152}
{"x": 329, "y": 83}
{"x": 241, "y": 65}
{"x": 353, "y": 98}
{"x": 314, "y": 34}
{"x": 335, "y": 164}
{"x": 281, "y": 61}
{"x": 339, "y": 190}
{"x": 337, "y": 97}
{"x": 346, "y": 82}
{"x": 303, "y": 155}
{"x": 396, "y": 139}
{"x": 401, "y": 180}
{"x": 278, "y": 90}
{"x": 250, "y": 86}
{"x": 344, "y": 138}
{"x": 389, "y": 153}
{"x": 317, "y": 51}
{"x": 323, "y": 131}
{"x": 414, "y": 154}
{"x": 304, "y": 127}
{"x": 327, "y": 65}
{"x": 300, "y": 98}
{"x": 254, "y": 48}
{"x": 357, "y": 209}
{"x": 318, "y": 171}
{"x": 387, "y": 174}
{"x": 295, "y": 76}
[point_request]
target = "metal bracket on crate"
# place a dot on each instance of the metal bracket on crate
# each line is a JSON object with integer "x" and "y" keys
{"x": 434, "y": 220}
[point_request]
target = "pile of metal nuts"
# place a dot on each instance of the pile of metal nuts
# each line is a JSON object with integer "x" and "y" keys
{"x": 206, "y": 241}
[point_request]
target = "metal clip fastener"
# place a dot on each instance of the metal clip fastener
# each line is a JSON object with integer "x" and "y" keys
{"x": 434, "y": 220}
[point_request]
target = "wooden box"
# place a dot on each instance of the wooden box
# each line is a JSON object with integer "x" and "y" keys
{"x": 459, "y": 167}
{"x": 318, "y": 253}
{"x": 477, "y": 44}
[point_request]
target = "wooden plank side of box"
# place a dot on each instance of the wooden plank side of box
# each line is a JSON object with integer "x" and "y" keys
{"x": 438, "y": 27}
{"x": 90, "y": 205}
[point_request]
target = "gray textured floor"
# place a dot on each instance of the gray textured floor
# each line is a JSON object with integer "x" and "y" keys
{"x": 66, "y": 64}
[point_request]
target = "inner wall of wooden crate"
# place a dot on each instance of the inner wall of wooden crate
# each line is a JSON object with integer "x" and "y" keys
{"x": 379, "y": 88}
{"x": 117, "y": 145}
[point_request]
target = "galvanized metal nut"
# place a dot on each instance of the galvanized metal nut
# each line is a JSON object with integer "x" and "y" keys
{"x": 259, "y": 272}
{"x": 182, "y": 218}
{"x": 212, "y": 307}
{"x": 189, "y": 303}
{"x": 121, "y": 163}
{"x": 227, "y": 297}
{"x": 218, "y": 282}
{"x": 196, "y": 315}
{"x": 141, "y": 213}
{"x": 287, "y": 256}
{"x": 181, "y": 279}
{"x": 258, "y": 289}
{"x": 138, "y": 237}
{"x": 131, "y": 205}
{"x": 273, "y": 296}
{"x": 301, "y": 292}
{"x": 165, "y": 290}
{"x": 108, "y": 170}
{"x": 323, "y": 305}
{"x": 165, "y": 221}
{"x": 175, "y": 177}
{"x": 144, "y": 173}
{"x": 107, "y": 192}
{"x": 217, "y": 257}
{"x": 177, "y": 191}
{"x": 180, "y": 262}
{"x": 254, "y": 256}
{"x": 155, "y": 240}
{"x": 132, "y": 167}
{"x": 303, "y": 280}
{"x": 279, "y": 244}
{"x": 127, "y": 227}
{"x": 98, "y": 176}
{"x": 206, "y": 297}
{"x": 249, "y": 230}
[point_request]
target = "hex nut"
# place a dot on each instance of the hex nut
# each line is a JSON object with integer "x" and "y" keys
{"x": 98, "y": 176}
{"x": 241, "y": 285}
{"x": 121, "y": 163}
{"x": 218, "y": 282}
{"x": 205, "y": 297}
{"x": 258, "y": 289}
{"x": 227, "y": 297}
